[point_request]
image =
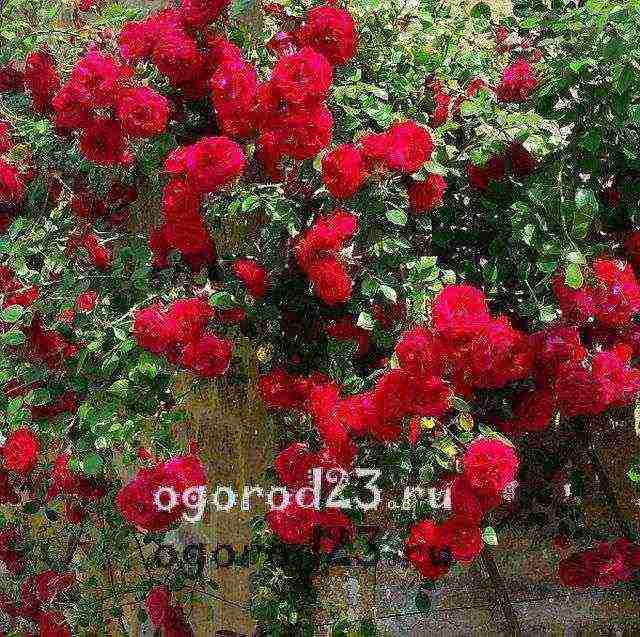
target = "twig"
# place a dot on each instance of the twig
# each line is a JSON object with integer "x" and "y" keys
{"x": 501, "y": 593}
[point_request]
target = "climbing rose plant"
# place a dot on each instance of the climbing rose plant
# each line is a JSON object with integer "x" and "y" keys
{"x": 438, "y": 221}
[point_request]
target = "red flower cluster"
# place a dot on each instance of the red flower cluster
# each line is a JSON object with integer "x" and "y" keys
{"x": 11, "y": 183}
{"x": 604, "y": 565}
{"x": 432, "y": 548}
{"x": 20, "y": 451}
{"x": 166, "y": 616}
{"x": 516, "y": 158}
{"x": 11, "y": 80}
{"x": 41, "y": 79}
{"x": 442, "y": 101}
{"x": 612, "y": 299}
{"x": 15, "y": 293}
{"x": 518, "y": 82}
{"x": 317, "y": 255}
{"x": 253, "y": 276}
{"x": 426, "y": 195}
{"x": 48, "y": 346}
{"x": 38, "y": 595}
{"x": 99, "y": 82}
{"x": 330, "y": 31}
{"x": 137, "y": 501}
{"x": 179, "y": 333}
{"x": 344, "y": 171}
{"x": 324, "y": 529}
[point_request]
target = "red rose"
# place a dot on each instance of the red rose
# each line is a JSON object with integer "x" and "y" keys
{"x": 281, "y": 390}
{"x": 293, "y": 524}
{"x": 86, "y": 301}
{"x": 462, "y": 536}
{"x": 331, "y": 31}
{"x": 294, "y": 465}
{"x": 335, "y": 529}
{"x": 410, "y": 146}
{"x": 303, "y": 133}
{"x": 426, "y": 195}
{"x": 152, "y": 329}
{"x": 101, "y": 76}
{"x": 467, "y": 502}
{"x": 518, "y": 82}
{"x": 11, "y": 184}
{"x": 343, "y": 171}
{"x": 490, "y": 465}
{"x": 575, "y": 572}
{"x": 20, "y": 451}
{"x": 425, "y": 552}
{"x": 523, "y": 163}
{"x": 253, "y": 275}
{"x": 137, "y": 500}
{"x": 331, "y": 281}
{"x": 208, "y": 165}
{"x": 459, "y": 310}
{"x": 209, "y": 356}
{"x": 10, "y": 79}
{"x": 493, "y": 171}
{"x": 196, "y": 14}
{"x": 302, "y": 78}
{"x": 41, "y": 79}
{"x": 157, "y": 604}
{"x": 104, "y": 143}
{"x": 142, "y": 112}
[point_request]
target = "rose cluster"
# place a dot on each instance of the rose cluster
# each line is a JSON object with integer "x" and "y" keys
{"x": 101, "y": 99}
{"x": 137, "y": 501}
{"x": 204, "y": 167}
{"x": 489, "y": 465}
{"x": 603, "y": 565}
{"x": 317, "y": 254}
{"x": 179, "y": 333}
{"x": 40, "y": 595}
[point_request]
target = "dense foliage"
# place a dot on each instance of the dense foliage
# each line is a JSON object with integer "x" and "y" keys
{"x": 438, "y": 212}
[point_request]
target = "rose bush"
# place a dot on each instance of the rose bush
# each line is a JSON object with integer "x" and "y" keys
{"x": 439, "y": 211}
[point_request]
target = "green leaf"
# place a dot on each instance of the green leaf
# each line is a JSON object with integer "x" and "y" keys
{"x": 389, "y": 293}
{"x": 489, "y": 536}
{"x": 92, "y": 464}
{"x": 423, "y": 601}
{"x": 481, "y": 10}
{"x": 573, "y": 276}
{"x": 365, "y": 321}
{"x": 12, "y": 314}
{"x": 397, "y": 217}
{"x": 223, "y": 300}
{"x": 120, "y": 388}
{"x": 13, "y": 337}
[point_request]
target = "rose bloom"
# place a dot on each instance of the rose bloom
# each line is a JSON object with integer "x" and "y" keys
{"x": 20, "y": 451}
{"x": 409, "y": 147}
{"x": 518, "y": 82}
{"x": 86, "y": 301}
{"x": 302, "y": 78}
{"x": 293, "y": 524}
{"x": 104, "y": 143}
{"x": 253, "y": 275}
{"x": 142, "y": 111}
{"x": 490, "y": 465}
{"x": 343, "y": 171}
{"x": 331, "y": 31}
{"x": 426, "y": 195}
{"x": 209, "y": 356}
